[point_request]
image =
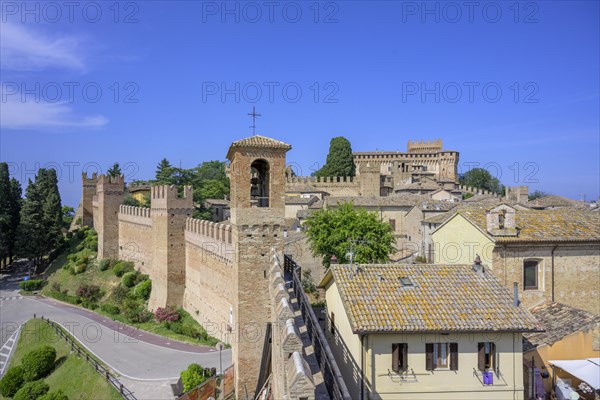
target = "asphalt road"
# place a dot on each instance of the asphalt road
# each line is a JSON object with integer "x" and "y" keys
{"x": 147, "y": 363}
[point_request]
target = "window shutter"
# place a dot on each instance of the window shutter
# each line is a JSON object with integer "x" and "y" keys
{"x": 481, "y": 356}
{"x": 454, "y": 356}
{"x": 429, "y": 356}
{"x": 405, "y": 357}
{"x": 395, "y": 356}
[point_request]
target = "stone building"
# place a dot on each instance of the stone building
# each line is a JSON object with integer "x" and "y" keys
{"x": 553, "y": 255}
{"x": 382, "y": 173}
{"x": 223, "y": 274}
{"x": 425, "y": 332}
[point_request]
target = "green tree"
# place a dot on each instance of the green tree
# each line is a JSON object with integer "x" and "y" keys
{"x": 10, "y": 207}
{"x": 40, "y": 230}
{"x": 129, "y": 200}
{"x": 164, "y": 173}
{"x": 68, "y": 213}
{"x": 481, "y": 179}
{"x": 538, "y": 194}
{"x": 340, "y": 161}
{"x": 114, "y": 171}
{"x": 338, "y": 231}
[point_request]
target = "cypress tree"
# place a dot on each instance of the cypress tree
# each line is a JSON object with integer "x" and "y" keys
{"x": 339, "y": 159}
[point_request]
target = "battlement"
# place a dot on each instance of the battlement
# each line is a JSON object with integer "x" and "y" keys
{"x": 86, "y": 179}
{"x": 319, "y": 179}
{"x": 110, "y": 183}
{"x": 135, "y": 215}
{"x": 429, "y": 146}
{"x": 473, "y": 190}
{"x": 167, "y": 197}
{"x": 212, "y": 230}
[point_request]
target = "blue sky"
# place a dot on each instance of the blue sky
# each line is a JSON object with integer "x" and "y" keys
{"x": 513, "y": 87}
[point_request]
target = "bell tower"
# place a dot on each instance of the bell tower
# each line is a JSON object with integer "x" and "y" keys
{"x": 257, "y": 174}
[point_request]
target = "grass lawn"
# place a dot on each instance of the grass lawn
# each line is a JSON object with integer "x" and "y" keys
{"x": 73, "y": 375}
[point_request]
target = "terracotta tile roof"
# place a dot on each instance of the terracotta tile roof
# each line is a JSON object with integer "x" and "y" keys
{"x": 443, "y": 298}
{"x": 299, "y": 200}
{"x": 554, "y": 201}
{"x": 427, "y": 185}
{"x": 546, "y": 225}
{"x": 258, "y": 141}
{"x": 559, "y": 320}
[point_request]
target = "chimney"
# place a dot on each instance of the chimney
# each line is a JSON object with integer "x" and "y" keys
{"x": 477, "y": 266}
{"x": 516, "y": 301}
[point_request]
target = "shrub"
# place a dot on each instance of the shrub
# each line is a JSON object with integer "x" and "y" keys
{"x": 56, "y": 286}
{"x": 38, "y": 362}
{"x": 12, "y": 381}
{"x": 420, "y": 259}
{"x": 138, "y": 314}
{"x": 58, "y": 395}
{"x": 192, "y": 377}
{"x": 122, "y": 267}
{"x": 78, "y": 269}
{"x": 169, "y": 314}
{"x": 104, "y": 264}
{"x": 129, "y": 279}
{"x": 31, "y": 285}
{"x": 120, "y": 293}
{"x": 32, "y": 390}
{"x": 110, "y": 308}
{"x": 89, "y": 292}
{"x": 143, "y": 289}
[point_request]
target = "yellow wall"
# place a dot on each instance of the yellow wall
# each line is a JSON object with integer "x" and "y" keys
{"x": 140, "y": 195}
{"x": 573, "y": 347}
{"x": 439, "y": 384}
{"x": 458, "y": 241}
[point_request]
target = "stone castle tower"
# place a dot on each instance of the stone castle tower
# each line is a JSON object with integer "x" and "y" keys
{"x": 105, "y": 204}
{"x": 257, "y": 174}
{"x": 88, "y": 186}
{"x": 169, "y": 213}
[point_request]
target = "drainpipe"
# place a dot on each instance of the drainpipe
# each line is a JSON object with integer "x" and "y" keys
{"x": 362, "y": 367}
{"x": 552, "y": 253}
{"x": 504, "y": 262}
{"x": 516, "y": 294}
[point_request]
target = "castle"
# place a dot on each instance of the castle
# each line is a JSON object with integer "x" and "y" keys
{"x": 228, "y": 276}
{"x": 385, "y": 173}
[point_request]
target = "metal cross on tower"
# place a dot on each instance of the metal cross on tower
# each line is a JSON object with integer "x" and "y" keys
{"x": 253, "y": 114}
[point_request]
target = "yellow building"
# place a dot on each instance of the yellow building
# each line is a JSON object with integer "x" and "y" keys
{"x": 425, "y": 332}
{"x": 553, "y": 255}
{"x": 570, "y": 333}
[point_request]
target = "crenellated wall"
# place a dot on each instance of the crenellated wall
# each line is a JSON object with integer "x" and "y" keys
{"x": 335, "y": 186}
{"x": 135, "y": 237}
{"x": 209, "y": 256}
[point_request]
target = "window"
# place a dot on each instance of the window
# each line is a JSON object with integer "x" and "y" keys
{"x": 501, "y": 219}
{"x": 259, "y": 184}
{"x": 441, "y": 356}
{"x": 393, "y": 225}
{"x": 399, "y": 357}
{"x": 486, "y": 356}
{"x": 530, "y": 275}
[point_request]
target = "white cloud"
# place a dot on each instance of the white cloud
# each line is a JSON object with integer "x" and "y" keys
{"x": 24, "y": 49}
{"x": 26, "y": 115}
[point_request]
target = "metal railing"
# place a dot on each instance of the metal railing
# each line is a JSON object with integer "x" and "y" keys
{"x": 332, "y": 377}
{"x": 81, "y": 352}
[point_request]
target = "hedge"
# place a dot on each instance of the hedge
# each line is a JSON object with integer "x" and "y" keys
{"x": 38, "y": 362}
{"x": 31, "y": 285}
{"x": 12, "y": 381}
{"x": 32, "y": 390}
{"x": 58, "y": 395}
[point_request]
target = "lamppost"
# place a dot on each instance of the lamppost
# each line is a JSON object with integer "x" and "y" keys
{"x": 220, "y": 347}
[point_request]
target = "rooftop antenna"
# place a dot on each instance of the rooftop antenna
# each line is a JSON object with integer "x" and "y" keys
{"x": 253, "y": 114}
{"x": 582, "y": 197}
